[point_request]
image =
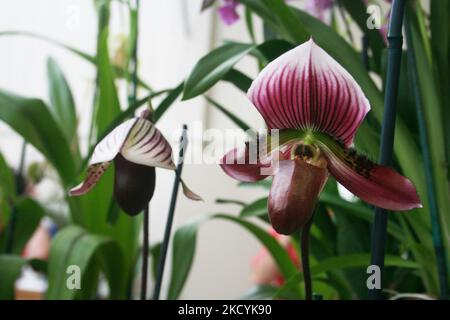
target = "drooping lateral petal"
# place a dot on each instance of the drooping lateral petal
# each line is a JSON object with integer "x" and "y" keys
{"x": 189, "y": 193}
{"x": 236, "y": 163}
{"x": 94, "y": 173}
{"x": 378, "y": 185}
{"x": 110, "y": 146}
{"x": 257, "y": 159}
{"x": 147, "y": 146}
{"x": 250, "y": 163}
{"x": 305, "y": 88}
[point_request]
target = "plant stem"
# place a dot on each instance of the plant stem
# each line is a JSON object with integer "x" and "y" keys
{"x": 173, "y": 201}
{"x": 304, "y": 243}
{"x": 103, "y": 21}
{"x": 438, "y": 241}
{"x": 133, "y": 60}
{"x": 145, "y": 246}
{"x": 132, "y": 98}
{"x": 379, "y": 228}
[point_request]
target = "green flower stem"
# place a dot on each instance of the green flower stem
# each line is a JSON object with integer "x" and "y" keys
{"x": 145, "y": 245}
{"x": 132, "y": 99}
{"x": 304, "y": 244}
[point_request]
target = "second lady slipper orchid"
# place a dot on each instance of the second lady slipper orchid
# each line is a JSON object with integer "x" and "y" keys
{"x": 136, "y": 147}
{"x": 317, "y": 107}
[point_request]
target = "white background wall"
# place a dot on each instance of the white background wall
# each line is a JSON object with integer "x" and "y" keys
{"x": 171, "y": 41}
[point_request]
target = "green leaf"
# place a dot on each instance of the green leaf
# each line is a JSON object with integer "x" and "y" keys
{"x": 62, "y": 104}
{"x": 89, "y": 58}
{"x": 11, "y": 267}
{"x": 230, "y": 201}
{"x": 32, "y": 120}
{"x": 357, "y": 10}
{"x": 155, "y": 252}
{"x": 264, "y": 184}
{"x": 7, "y": 189}
{"x": 168, "y": 101}
{"x": 185, "y": 249}
{"x": 249, "y": 24}
{"x": 440, "y": 44}
{"x": 260, "y": 292}
{"x": 183, "y": 254}
{"x": 260, "y": 8}
{"x": 213, "y": 67}
{"x": 341, "y": 262}
{"x": 77, "y": 52}
{"x": 28, "y": 214}
{"x": 239, "y": 79}
{"x": 73, "y": 246}
{"x": 272, "y": 49}
{"x": 287, "y": 20}
{"x": 433, "y": 119}
{"x": 256, "y": 208}
{"x": 108, "y": 106}
{"x": 358, "y": 210}
{"x": 240, "y": 123}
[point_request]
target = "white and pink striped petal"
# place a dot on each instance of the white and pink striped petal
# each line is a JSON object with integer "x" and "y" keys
{"x": 110, "y": 146}
{"x": 138, "y": 141}
{"x": 305, "y": 88}
{"x": 147, "y": 146}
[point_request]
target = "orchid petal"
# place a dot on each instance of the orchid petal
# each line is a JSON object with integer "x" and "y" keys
{"x": 146, "y": 145}
{"x": 306, "y": 88}
{"x": 237, "y": 164}
{"x": 189, "y": 193}
{"x": 94, "y": 174}
{"x": 256, "y": 160}
{"x": 109, "y": 147}
{"x": 293, "y": 194}
{"x": 378, "y": 185}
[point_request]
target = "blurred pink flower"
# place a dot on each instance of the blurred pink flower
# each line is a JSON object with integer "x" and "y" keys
{"x": 318, "y": 8}
{"x": 228, "y": 13}
{"x": 38, "y": 246}
{"x": 265, "y": 270}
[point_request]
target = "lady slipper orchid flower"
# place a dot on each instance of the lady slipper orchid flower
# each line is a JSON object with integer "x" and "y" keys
{"x": 136, "y": 147}
{"x": 317, "y": 107}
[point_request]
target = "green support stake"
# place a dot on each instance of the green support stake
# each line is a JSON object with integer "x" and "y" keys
{"x": 395, "y": 40}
